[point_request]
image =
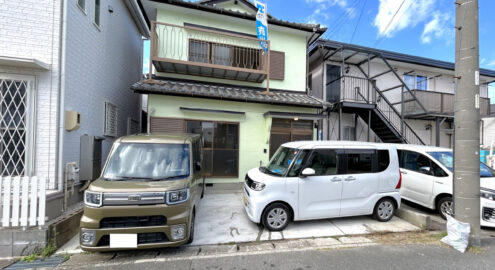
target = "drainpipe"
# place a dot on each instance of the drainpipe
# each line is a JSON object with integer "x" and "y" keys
{"x": 61, "y": 95}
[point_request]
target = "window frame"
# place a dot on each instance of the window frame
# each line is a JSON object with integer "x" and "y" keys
{"x": 97, "y": 11}
{"x": 30, "y": 127}
{"x": 82, "y": 8}
{"x": 415, "y": 76}
{"x": 203, "y": 148}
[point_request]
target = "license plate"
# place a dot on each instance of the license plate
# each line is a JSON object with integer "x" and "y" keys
{"x": 245, "y": 200}
{"x": 123, "y": 240}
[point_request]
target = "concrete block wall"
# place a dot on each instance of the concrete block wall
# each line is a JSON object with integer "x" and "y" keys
{"x": 102, "y": 63}
{"x": 30, "y": 29}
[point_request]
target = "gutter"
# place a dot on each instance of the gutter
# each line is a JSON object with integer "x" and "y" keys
{"x": 61, "y": 95}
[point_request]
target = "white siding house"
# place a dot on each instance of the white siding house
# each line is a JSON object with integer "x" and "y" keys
{"x": 58, "y": 56}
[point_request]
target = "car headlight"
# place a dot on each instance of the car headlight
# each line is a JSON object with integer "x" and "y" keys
{"x": 88, "y": 237}
{"x": 257, "y": 186}
{"x": 177, "y": 196}
{"x": 92, "y": 198}
{"x": 487, "y": 194}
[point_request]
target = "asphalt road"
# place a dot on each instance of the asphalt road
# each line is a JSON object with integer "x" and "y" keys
{"x": 411, "y": 256}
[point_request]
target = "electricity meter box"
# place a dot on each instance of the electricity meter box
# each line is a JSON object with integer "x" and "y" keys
{"x": 90, "y": 157}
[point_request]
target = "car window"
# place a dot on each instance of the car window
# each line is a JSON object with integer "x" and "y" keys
{"x": 415, "y": 161}
{"x": 437, "y": 171}
{"x": 383, "y": 160}
{"x": 324, "y": 162}
{"x": 298, "y": 163}
{"x": 359, "y": 161}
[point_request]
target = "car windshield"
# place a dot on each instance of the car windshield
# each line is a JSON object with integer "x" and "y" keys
{"x": 147, "y": 161}
{"x": 447, "y": 160}
{"x": 281, "y": 160}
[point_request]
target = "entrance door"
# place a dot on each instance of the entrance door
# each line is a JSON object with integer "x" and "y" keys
{"x": 333, "y": 83}
{"x": 289, "y": 130}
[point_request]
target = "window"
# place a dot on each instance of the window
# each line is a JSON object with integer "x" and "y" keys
{"x": 383, "y": 160}
{"x": 416, "y": 82}
{"x": 97, "y": 12}
{"x": 299, "y": 163}
{"x": 221, "y": 146}
{"x": 16, "y": 127}
{"x": 224, "y": 54}
{"x": 110, "y": 122}
{"x": 82, "y": 4}
{"x": 324, "y": 162}
{"x": 415, "y": 162}
{"x": 359, "y": 161}
{"x": 281, "y": 161}
{"x": 349, "y": 133}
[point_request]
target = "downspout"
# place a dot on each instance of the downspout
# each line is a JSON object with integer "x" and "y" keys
{"x": 61, "y": 95}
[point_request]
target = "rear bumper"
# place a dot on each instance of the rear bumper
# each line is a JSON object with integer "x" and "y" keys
{"x": 175, "y": 215}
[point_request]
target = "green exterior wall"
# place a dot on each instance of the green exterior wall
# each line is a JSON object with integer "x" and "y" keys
{"x": 292, "y": 42}
{"x": 254, "y": 128}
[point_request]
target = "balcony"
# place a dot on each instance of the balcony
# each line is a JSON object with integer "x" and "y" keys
{"x": 203, "y": 51}
{"x": 436, "y": 104}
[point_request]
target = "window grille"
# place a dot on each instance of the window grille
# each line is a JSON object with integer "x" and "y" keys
{"x": 110, "y": 125}
{"x": 13, "y": 126}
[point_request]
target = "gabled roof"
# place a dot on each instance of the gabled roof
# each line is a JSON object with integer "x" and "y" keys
{"x": 390, "y": 55}
{"x": 207, "y": 7}
{"x": 200, "y": 89}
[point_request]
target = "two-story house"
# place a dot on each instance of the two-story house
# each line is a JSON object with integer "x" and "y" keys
{"x": 65, "y": 72}
{"x": 386, "y": 96}
{"x": 210, "y": 75}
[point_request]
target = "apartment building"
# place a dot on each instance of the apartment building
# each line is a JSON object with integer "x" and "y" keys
{"x": 386, "y": 96}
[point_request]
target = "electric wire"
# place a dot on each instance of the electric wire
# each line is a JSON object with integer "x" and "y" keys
{"x": 359, "y": 19}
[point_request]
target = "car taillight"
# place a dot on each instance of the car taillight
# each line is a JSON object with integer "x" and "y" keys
{"x": 400, "y": 181}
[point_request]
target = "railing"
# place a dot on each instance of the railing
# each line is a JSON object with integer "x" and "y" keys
{"x": 23, "y": 201}
{"x": 205, "y": 47}
{"x": 438, "y": 103}
{"x": 362, "y": 90}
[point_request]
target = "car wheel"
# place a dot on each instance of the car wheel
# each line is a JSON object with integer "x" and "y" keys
{"x": 191, "y": 228}
{"x": 445, "y": 207}
{"x": 384, "y": 210}
{"x": 276, "y": 217}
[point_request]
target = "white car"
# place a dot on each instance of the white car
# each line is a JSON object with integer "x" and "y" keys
{"x": 323, "y": 179}
{"x": 427, "y": 174}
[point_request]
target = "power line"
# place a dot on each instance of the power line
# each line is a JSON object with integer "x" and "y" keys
{"x": 389, "y": 23}
{"x": 359, "y": 19}
{"x": 339, "y": 21}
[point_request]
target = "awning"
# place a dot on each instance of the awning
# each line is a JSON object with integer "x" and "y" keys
{"x": 199, "y": 89}
{"x": 291, "y": 115}
{"x": 23, "y": 62}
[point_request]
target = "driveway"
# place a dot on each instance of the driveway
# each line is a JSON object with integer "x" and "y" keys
{"x": 221, "y": 219}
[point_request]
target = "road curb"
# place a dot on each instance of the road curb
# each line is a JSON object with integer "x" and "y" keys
{"x": 417, "y": 219}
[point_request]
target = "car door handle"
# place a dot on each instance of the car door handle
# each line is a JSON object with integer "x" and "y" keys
{"x": 403, "y": 172}
{"x": 336, "y": 179}
{"x": 350, "y": 178}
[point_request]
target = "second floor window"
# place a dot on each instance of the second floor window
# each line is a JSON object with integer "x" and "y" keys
{"x": 224, "y": 54}
{"x": 97, "y": 12}
{"x": 416, "y": 82}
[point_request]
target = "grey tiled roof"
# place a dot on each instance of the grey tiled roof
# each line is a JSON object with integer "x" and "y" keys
{"x": 198, "y": 89}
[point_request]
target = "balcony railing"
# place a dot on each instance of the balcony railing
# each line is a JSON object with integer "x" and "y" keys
{"x": 202, "y": 51}
{"x": 437, "y": 103}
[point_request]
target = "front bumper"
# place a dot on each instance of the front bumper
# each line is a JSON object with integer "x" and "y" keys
{"x": 147, "y": 235}
{"x": 253, "y": 204}
{"x": 487, "y": 208}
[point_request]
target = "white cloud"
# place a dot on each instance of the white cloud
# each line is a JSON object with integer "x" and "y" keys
{"x": 438, "y": 27}
{"x": 321, "y": 11}
{"x": 482, "y": 61}
{"x": 410, "y": 14}
{"x": 146, "y": 65}
{"x": 491, "y": 63}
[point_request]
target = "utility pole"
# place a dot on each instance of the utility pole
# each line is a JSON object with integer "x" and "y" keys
{"x": 467, "y": 118}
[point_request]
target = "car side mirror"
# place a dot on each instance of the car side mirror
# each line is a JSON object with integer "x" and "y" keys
{"x": 197, "y": 166}
{"x": 308, "y": 172}
{"x": 425, "y": 170}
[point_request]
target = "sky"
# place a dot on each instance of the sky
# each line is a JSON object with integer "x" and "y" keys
{"x": 418, "y": 27}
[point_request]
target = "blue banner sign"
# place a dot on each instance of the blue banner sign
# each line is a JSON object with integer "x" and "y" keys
{"x": 262, "y": 25}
